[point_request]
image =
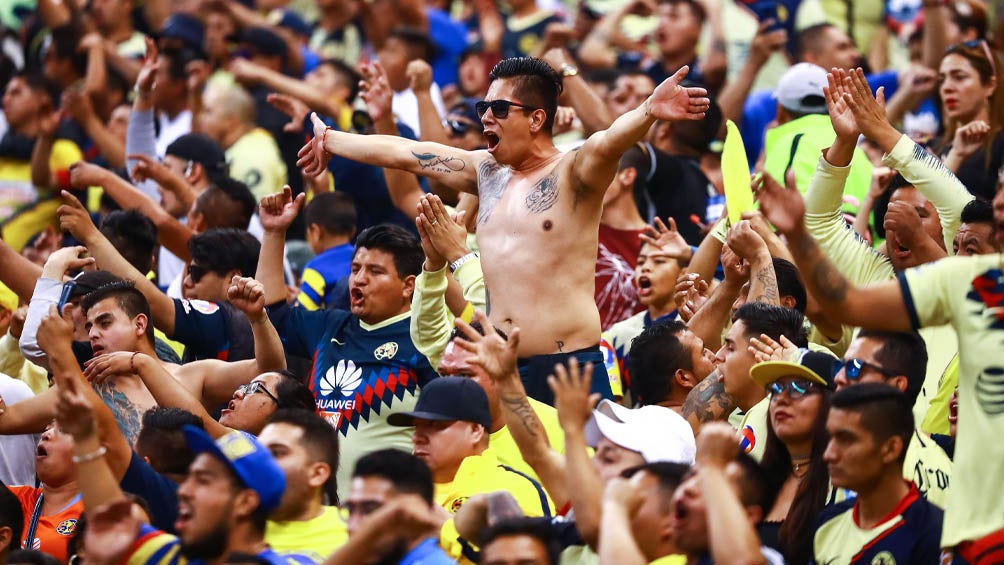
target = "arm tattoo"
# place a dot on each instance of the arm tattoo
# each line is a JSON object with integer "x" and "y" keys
{"x": 768, "y": 286}
{"x": 127, "y": 414}
{"x": 492, "y": 180}
{"x": 825, "y": 278}
{"x": 543, "y": 196}
{"x": 708, "y": 401}
{"x": 439, "y": 163}
{"x": 518, "y": 405}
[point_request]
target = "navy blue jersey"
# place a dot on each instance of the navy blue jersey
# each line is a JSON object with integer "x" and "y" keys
{"x": 360, "y": 374}
{"x": 911, "y": 533}
{"x": 211, "y": 330}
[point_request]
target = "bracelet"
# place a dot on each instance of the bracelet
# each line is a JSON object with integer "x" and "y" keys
{"x": 456, "y": 264}
{"x": 132, "y": 367}
{"x": 94, "y": 455}
{"x": 324, "y": 136}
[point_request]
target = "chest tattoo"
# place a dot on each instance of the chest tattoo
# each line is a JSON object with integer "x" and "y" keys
{"x": 127, "y": 414}
{"x": 492, "y": 180}
{"x": 543, "y": 196}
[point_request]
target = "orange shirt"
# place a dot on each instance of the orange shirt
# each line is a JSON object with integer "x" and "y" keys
{"x": 53, "y": 531}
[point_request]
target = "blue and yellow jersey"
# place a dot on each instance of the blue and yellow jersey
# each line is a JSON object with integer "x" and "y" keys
{"x": 909, "y": 534}
{"x": 321, "y": 274}
{"x": 154, "y": 547}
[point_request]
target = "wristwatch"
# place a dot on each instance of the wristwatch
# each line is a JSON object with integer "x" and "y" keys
{"x": 456, "y": 264}
{"x": 569, "y": 70}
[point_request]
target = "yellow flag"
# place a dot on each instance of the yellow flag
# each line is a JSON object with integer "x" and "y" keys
{"x": 736, "y": 174}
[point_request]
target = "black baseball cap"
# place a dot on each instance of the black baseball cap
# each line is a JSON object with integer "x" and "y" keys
{"x": 200, "y": 148}
{"x": 186, "y": 28}
{"x": 448, "y": 399}
{"x": 264, "y": 41}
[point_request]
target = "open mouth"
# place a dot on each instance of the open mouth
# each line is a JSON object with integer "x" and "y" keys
{"x": 184, "y": 516}
{"x": 356, "y": 296}
{"x": 492, "y": 140}
{"x": 40, "y": 452}
{"x": 97, "y": 349}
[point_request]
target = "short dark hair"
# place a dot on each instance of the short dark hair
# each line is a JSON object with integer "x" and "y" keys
{"x": 89, "y": 281}
{"x": 655, "y": 355}
{"x": 669, "y": 475}
{"x": 884, "y": 411}
{"x": 637, "y": 157}
{"x": 65, "y": 43}
{"x": 178, "y": 59}
{"x": 162, "y": 441}
{"x": 775, "y": 321}
{"x": 227, "y": 203}
{"x": 40, "y": 84}
{"x": 476, "y": 326}
{"x": 127, "y": 297}
{"x": 134, "y": 236}
{"x": 789, "y": 282}
{"x": 11, "y": 515}
{"x": 320, "y": 440}
{"x": 754, "y": 489}
{"x": 335, "y": 212}
{"x": 978, "y": 211}
{"x": 407, "y": 473}
{"x": 902, "y": 353}
{"x": 346, "y": 74}
{"x": 224, "y": 249}
{"x": 420, "y": 46}
{"x": 808, "y": 40}
{"x": 536, "y": 528}
{"x": 292, "y": 393}
{"x": 397, "y": 241}
{"x": 535, "y": 83}
{"x": 696, "y": 7}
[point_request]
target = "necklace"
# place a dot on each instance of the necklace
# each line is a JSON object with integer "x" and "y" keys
{"x": 800, "y": 466}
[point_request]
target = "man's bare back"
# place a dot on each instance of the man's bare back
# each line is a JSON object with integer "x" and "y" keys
{"x": 538, "y": 239}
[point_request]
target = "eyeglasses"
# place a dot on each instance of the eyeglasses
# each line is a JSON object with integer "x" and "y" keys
{"x": 458, "y": 128}
{"x": 795, "y": 389}
{"x": 853, "y": 367}
{"x": 500, "y": 108}
{"x": 197, "y": 272}
{"x": 254, "y": 387}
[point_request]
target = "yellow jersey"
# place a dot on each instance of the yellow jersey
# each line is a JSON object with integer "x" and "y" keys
{"x": 316, "y": 538}
{"x": 504, "y": 446}
{"x": 255, "y": 160}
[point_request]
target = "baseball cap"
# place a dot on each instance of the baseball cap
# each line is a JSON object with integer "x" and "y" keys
{"x": 466, "y": 108}
{"x": 656, "y": 432}
{"x": 801, "y": 89}
{"x": 200, "y": 148}
{"x": 264, "y": 41}
{"x": 816, "y": 366}
{"x": 448, "y": 399}
{"x": 289, "y": 20}
{"x": 8, "y": 300}
{"x": 186, "y": 28}
{"x": 250, "y": 460}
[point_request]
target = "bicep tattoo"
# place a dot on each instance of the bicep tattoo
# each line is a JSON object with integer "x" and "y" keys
{"x": 708, "y": 401}
{"x": 431, "y": 162}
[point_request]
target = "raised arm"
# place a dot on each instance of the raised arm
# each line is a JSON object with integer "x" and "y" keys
{"x": 748, "y": 244}
{"x": 712, "y": 317}
{"x": 588, "y": 105}
{"x": 276, "y": 212}
{"x": 455, "y": 168}
{"x": 247, "y": 71}
{"x": 79, "y": 105}
{"x": 617, "y": 545}
{"x": 596, "y": 162}
{"x": 17, "y": 272}
{"x": 75, "y": 219}
{"x": 431, "y": 123}
{"x": 498, "y": 358}
{"x": 733, "y": 94}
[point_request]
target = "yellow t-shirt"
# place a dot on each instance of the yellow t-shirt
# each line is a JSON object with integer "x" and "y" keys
{"x": 936, "y": 419}
{"x": 24, "y": 209}
{"x": 485, "y": 473}
{"x": 504, "y": 446}
{"x": 753, "y": 429}
{"x": 316, "y": 538}
{"x": 255, "y": 160}
{"x": 928, "y": 467}
{"x": 968, "y": 293}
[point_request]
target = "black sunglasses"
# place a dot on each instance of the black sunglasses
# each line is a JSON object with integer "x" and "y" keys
{"x": 853, "y": 367}
{"x": 458, "y": 128}
{"x": 197, "y": 272}
{"x": 500, "y": 108}
{"x": 795, "y": 389}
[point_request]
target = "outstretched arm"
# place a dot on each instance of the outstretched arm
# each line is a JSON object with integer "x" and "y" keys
{"x": 453, "y": 167}
{"x": 596, "y": 162}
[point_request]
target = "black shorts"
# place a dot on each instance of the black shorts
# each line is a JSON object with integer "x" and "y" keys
{"x": 533, "y": 371}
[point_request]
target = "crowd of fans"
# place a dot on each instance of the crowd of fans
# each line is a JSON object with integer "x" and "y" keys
{"x": 422, "y": 282}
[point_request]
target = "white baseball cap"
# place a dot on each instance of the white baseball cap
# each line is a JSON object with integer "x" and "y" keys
{"x": 800, "y": 89}
{"x": 658, "y": 433}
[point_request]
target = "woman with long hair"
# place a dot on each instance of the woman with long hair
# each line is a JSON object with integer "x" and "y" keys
{"x": 972, "y": 115}
{"x": 793, "y": 458}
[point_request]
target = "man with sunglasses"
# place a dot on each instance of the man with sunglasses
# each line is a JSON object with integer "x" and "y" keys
{"x": 539, "y": 208}
{"x": 900, "y": 360}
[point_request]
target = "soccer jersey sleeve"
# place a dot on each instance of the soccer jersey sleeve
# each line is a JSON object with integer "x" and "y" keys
{"x": 431, "y": 323}
{"x": 925, "y": 293}
{"x": 154, "y": 547}
{"x": 312, "y": 288}
{"x": 159, "y": 492}
{"x": 201, "y": 326}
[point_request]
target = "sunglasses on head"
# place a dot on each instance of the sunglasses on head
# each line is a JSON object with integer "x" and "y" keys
{"x": 978, "y": 43}
{"x": 853, "y": 367}
{"x": 256, "y": 387}
{"x": 500, "y": 108}
{"x": 795, "y": 389}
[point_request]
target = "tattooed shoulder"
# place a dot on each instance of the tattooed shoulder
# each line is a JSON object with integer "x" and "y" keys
{"x": 127, "y": 414}
{"x": 492, "y": 180}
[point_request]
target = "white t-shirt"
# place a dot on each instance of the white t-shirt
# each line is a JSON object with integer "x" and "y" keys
{"x": 406, "y": 107}
{"x": 17, "y": 453}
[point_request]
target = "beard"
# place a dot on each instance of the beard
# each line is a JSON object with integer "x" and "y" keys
{"x": 207, "y": 546}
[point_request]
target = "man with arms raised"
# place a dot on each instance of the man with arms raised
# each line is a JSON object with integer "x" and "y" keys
{"x": 539, "y": 208}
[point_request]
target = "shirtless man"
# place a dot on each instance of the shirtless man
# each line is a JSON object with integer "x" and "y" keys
{"x": 539, "y": 208}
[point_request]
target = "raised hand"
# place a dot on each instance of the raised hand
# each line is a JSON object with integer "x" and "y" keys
{"x": 766, "y": 42}
{"x": 74, "y": 218}
{"x": 248, "y": 296}
{"x": 65, "y": 259}
{"x": 277, "y": 211}
{"x": 564, "y": 119}
{"x": 745, "y": 241}
{"x": 781, "y": 205}
{"x": 147, "y": 77}
{"x": 495, "y": 355}
{"x": 903, "y": 218}
{"x": 970, "y": 138}
{"x": 764, "y": 348}
{"x": 55, "y": 333}
{"x": 244, "y": 70}
{"x": 78, "y": 104}
{"x": 419, "y": 75}
{"x": 717, "y": 444}
{"x": 672, "y": 102}
{"x": 84, "y": 174}
{"x": 111, "y": 531}
{"x": 839, "y": 106}
{"x": 667, "y": 240}
{"x": 623, "y": 493}
{"x": 375, "y": 91}
{"x": 869, "y": 112}
{"x": 448, "y": 234}
{"x": 148, "y": 168}
{"x": 197, "y": 75}
{"x": 313, "y": 157}
{"x": 690, "y": 293}
{"x": 293, "y": 107}
{"x": 572, "y": 396}
{"x": 98, "y": 369}
{"x": 737, "y": 270}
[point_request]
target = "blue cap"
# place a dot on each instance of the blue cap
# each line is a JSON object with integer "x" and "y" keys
{"x": 448, "y": 399}
{"x": 246, "y": 457}
{"x": 291, "y": 21}
{"x": 186, "y": 28}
